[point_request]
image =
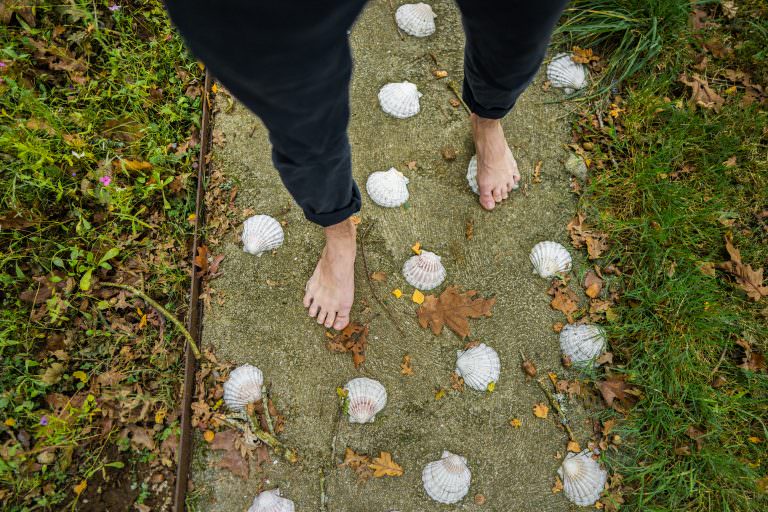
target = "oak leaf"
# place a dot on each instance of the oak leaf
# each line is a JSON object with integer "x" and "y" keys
{"x": 453, "y": 309}
{"x": 383, "y": 465}
{"x": 354, "y": 339}
{"x": 748, "y": 279}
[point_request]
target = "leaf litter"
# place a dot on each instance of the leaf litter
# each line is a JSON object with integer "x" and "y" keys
{"x": 453, "y": 309}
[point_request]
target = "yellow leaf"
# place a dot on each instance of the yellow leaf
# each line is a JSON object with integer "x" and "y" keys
{"x": 553, "y": 377}
{"x": 540, "y": 410}
{"x": 160, "y": 415}
{"x": 397, "y": 293}
{"x": 134, "y": 165}
{"x": 417, "y": 297}
{"x": 79, "y": 488}
{"x": 143, "y": 321}
{"x": 730, "y": 90}
{"x": 574, "y": 447}
{"x": 81, "y": 376}
{"x": 341, "y": 392}
{"x": 599, "y": 505}
{"x": 515, "y": 422}
{"x": 10, "y": 422}
{"x": 383, "y": 465}
{"x": 440, "y": 393}
{"x": 416, "y": 248}
{"x": 491, "y": 387}
{"x": 214, "y": 88}
{"x": 208, "y": 435}
{"x": 201, "y": 66}
{"x": 558, "y": 487}
{"x": 754, "y": 440}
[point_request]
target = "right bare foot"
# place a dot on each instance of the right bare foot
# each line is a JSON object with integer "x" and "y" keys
{"x": 330, "y": 291}
{"x": 497, "y": 173}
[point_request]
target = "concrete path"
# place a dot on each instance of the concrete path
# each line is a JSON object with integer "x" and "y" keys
{"x": 262, "y": 322}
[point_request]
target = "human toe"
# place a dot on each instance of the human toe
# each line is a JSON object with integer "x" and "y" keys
{"x": 330, "y": 319}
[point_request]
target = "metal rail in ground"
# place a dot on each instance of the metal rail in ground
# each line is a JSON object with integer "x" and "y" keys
{"x": 184, "y": 451}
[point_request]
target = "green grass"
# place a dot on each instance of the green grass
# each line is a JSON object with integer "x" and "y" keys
{"x": 677, "y": 327}
{"x": 64, "y": 128}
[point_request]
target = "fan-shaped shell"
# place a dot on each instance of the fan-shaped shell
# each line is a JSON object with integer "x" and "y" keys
{"x": 424, "y": 271}
{"x": 472, "y": 175}
{"x": 550, "y": 258}
{"x": 582, "y": 343}
{"x": 478, "y": 366}
{"x": 366, "y": 397}
{"x": 583, "y": 478}
{"x": 416, "y": 19}
{"x": 400, "y": 99}
{"x": 261, "y": 233}
{"x": 447, "y": 480}
{"x": 271, "y": 501}
{"x": 566, "y": 74}
{"x": 243, "y": 387}
{"x": 387, "y": 188}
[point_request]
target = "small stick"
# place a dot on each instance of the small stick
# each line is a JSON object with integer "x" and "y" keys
{"x": 556, "y": 406}
{"x": 268, "y": 439}
{"x": 162, "y": 310}
{"x": 265, "y": 407}
{"x": 452, "y": 86}
{"x": 717, "y": 366}
{"x": 370, "y": 284}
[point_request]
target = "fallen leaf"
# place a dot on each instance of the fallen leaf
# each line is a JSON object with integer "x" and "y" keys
{"x": 729, "y": 8}
{"x": 453, "y": 309}
{"x": 457, "y": 383}
{"x": 537, "y": 172}
{"x": 440, "y": 393}
{"x": 558, "y": 487}
{"x": 417, "y": 297}
{"x": 754, "y": 440}
{"x": 405, "y": 366}
{"x": 515, "y": 422}
{"x": 439, "y": 73}
{"x": 469, "y": 229}
{"x": 683, "y": 450}
{"x": 234, "y": 462}
{"x": 383, "y": 465}
{"x": 379, "y": 276}
{"x": 354, "y": 460}
{"x": 529, "y": 368}
{"x": 731, "y": 162}
{"x": 411, "y": 165}
{"x": 606, "y": 357}
{"x": 593, "y": 285}
{"x": 581, "y": 234}
{"x": 697, "y": 436}
{"x": 448, "y": 153}
{"x": 540, "y": 410}
{"x": 201, "y": 260}
{"x": 209, "y": 435}
{"x": 397, "y": 293}
{"x": 564, "y": 299}
{"x": 573, "y": 446}
{"x": 749, "y": 280}
{"x": 79, "y": 488}
{"x": 416, "y": 248}
{"x": 354, "y": 338}
{"x": 132, "y": 165}
{"x": 479, "y": 499}
{"x": 701, "y": 94}
{"x": 454, "y": 102}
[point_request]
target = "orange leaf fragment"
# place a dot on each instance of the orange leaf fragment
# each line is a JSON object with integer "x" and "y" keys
{"x": 79, "y": 488}
{"x": 397, "y": 293}
{"x": 540, "y": 410}
{"x": 405, "y": 366}
{"x": 383, "y": 465}
{"x": 573, "y": 446}
{"x": 416, "y": 248}
{"x": 209, "y": 435}
{"x": 515, "y": 422}
{"x": 379, "y": 276}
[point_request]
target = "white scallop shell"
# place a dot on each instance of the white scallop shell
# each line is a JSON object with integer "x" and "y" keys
{"x": 400, "y": 99}
{"x": 447, "y": 480}
{"x": 583, "y": 478}
{"x": 565, "y": 74}
{"x": 472, "y": 175}
{"x": 271, "y": 501}
{"x": 416, "y": 19}
{"x": 387, "y": 188}
{"x": 582, "y": 343}
{"x": 243, "y": 387}
{"x": 366, "y": 397}
{"x": 261, "y": 233}
{"x": 424, "y": 271}
{"x": 550, "y": 258}
{"x": 478, "y": 366}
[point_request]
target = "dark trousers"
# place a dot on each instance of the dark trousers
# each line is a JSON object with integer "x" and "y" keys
{"x": 289, "y": 62}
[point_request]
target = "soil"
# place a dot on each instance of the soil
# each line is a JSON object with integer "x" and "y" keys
{"x": 261, "y": 321}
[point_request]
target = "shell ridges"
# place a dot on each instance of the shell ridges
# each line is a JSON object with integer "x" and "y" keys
{"x": 416, "y": 19}
{"x": 387, "y": 188}
{"x": 447, "y": 480}
{"x": 400, "y": 99}
{"x": 478, "y": 366}
{"x": 366, "y": 398}
{"x": 583, "y": 478}
{"x": 582, "y": 343}
{"x": 550, "y": 258}
{"x": 564, "y": 73}
{"x": 271, "y": 501}
{"x": 424, "y": 271}
{"x": 243, "y": 387}
{"x": 261, "y": 233}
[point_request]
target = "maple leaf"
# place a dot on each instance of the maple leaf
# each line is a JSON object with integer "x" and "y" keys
{"x": 453, "y": 309}
{"x": 383, "y": 465}
{"x": 354, "y": 338}
{"x": 749, "y": 280}
{"x": 405, "y": 367}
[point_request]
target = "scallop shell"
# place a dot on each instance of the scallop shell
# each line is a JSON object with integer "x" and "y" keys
{"x": 416, "y": 19}
{"x": 243, "y": 387}
{"x": 472, "y": 175}
{"x": 387, "y": 188}
{"x": 261, "y": 233}
{"x": 582, "y": 343}
{"x": 271, "y": 501}
{"x": 424, "y": 271}
{"x": 478, "y": 366}
{"x": 447, "y": 480}
{"x": 400, "y": 99}
{"x": 366, "y": 397}
{"x": 583, "y": 478}
{"x": 550, "y": 258}
{"x": 565, "y": 74}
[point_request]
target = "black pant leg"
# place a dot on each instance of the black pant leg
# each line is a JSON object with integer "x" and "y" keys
{"x": 506, "y": 41}
{"x": 289, "y": 62}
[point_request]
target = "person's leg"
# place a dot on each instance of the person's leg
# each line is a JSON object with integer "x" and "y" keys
{"x": 506, "y": 41}
{"x": 290, "y": 63}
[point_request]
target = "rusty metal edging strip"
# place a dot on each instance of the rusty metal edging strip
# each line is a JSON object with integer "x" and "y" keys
{"x": 195, "y": 314}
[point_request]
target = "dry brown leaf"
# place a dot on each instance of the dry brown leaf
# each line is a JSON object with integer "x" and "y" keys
{"x": 537, "y": 172}
{"x": 201, "y": 260}
{"x": 593, "y": 285}
{"x": 701, "y": 94}
{"x": 457, "y": 383}
{"x": 573, "y": 446}
{"x": 379, "y": 276}
{"x": 448, "y": 153}
{"x": 529, "y": 368}
{"x": 405, "y": 366}
{"x": 354, "y": 339}
{"x": 453, "y": 309}
{"x": 581, "y": 234}
{"x": 540, "y": 410}
{"x": 383, "y": 465}
{"x": 697, "y": 436}
{"x": 354, "y": 460}
{"x": 558, "y": 487}
{"x": 234, "y": 462}
{"x": 564, "y": 299}
{"x": 439, "y": 73}
{"x": 749, "y": 280}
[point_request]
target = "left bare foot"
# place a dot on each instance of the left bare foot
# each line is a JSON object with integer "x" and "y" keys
{"x": 497, "y": 173}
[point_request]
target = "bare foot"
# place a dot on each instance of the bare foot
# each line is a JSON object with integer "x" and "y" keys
{"x": 331, "y": 289}
{"x": 497, "y": 173}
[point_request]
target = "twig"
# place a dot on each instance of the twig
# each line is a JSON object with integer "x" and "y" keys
{"x": 323, "y": 497}
{"x": 265, "y": 437}
{"x": 717, "y": 366}
{"x": 265, "y": 407}
{"x": 556, "y": 405}
{"x": 370, "y": 284}
{"x": 455, "y": 88}
{"x": 162, "y": 310}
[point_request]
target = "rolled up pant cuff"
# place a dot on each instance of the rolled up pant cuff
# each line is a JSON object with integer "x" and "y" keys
{"x": 326, "y": 219}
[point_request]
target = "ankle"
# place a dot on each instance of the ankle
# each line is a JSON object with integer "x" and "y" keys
{"x": 342, "y": 233}
{"x": 484, "y": 123}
